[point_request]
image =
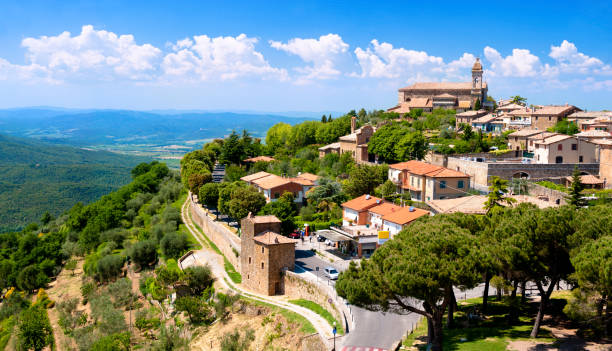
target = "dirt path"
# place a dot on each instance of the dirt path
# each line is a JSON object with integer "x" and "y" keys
{"x": 215, "y": 261}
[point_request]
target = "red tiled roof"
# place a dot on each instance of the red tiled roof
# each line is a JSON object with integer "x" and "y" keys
{"x": 405, "y": 215}
{"x": 384, "y": 209}
{"x": 441, "y": 86}
{"x": 260, "y": 159}
{"x": 362, "y": 202}
{"x": 426, "y": 169}
{"x": 309, "y": 176}
{"x": 271, "y": 181}
{"x": 251, "y": 177}
{"x": 588, "y": 179}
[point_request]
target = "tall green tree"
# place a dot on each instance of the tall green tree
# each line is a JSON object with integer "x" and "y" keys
{"x": 35, "y": 332}
{"x": 232, "y": 151}
{"x": 497, "y": 194}
{"x": 517, "y": 99}
{"x": 422, "y": 262}
{"x": 284, "y": 209}
{"x": 574, "y": 197}
{"x": 363, "y": 179}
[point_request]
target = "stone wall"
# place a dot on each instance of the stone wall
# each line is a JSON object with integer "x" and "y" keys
{"x": 481, "y": 172}
{"x": 224, "y": 238}
{"x": 298, "y": 288}
{"x": 553, "y": 196}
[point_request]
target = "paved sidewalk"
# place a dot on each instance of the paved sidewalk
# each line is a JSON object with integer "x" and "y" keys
{"x": 215, "y": 261}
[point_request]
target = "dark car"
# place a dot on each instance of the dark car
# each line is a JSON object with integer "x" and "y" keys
{"x": 321, "y": 238}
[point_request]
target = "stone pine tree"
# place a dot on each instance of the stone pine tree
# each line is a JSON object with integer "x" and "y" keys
{"x": 497, "y": 194}
{"x": 415, "y": 272}
{"x": 575, "y": 190}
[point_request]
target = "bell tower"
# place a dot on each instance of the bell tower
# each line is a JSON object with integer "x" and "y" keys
{"x": 477, "y": 91}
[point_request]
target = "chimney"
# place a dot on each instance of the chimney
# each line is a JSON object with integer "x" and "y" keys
{"x": 353, "y": 124}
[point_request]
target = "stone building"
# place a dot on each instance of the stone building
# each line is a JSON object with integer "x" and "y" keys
{"x": 468, "y": 116}
{"x": 460, "y": 96}
{"x": 427, "y": 182}
{"x": 605, "y": 161}
{"x": 539, "y": 118}
{"x": 355, "y": 143}
{"x": 265, "y": 255}
{"x": 562, "y": 148}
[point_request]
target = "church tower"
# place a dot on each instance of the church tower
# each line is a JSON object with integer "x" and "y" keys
{"x": 477, "y": 91}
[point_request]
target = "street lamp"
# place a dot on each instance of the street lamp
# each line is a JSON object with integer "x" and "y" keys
{"x": 334, "y": 332}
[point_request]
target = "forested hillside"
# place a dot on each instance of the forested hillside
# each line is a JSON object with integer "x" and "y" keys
{"x": 38, "y": 177}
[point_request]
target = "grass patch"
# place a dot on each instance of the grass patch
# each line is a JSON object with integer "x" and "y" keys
{"x": 231, "y": 271}
{"x": 305, "y": 326}
{"x": 321, "y": 311}
{"x": 494, "y": 332}
{"x": 6, "y": 330}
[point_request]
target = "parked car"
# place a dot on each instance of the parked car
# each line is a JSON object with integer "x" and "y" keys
{"x": 321, "y": 238}
{"x": 331, "y": 273}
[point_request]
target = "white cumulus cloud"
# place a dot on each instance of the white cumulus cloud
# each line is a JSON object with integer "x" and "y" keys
{"x": 92, "y": 53}
{"x": 322, "y": 54}
{"x": 521, "y": 63}
{"x": 205, "y": 58}
{"x": 382, "y": 60}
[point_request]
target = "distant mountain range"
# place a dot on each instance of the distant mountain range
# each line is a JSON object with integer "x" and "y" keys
{"x": 38, "y": 177}
{"x": 107, "y": 127}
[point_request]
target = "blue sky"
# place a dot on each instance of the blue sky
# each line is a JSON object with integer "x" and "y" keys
{"x": 290, "y": 56}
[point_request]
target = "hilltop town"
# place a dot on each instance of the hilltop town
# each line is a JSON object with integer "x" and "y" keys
{"x": 451, "y": 219}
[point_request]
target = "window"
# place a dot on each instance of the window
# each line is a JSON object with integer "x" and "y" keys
{"x": 559, "y": 159}
{"x": 560, "y": 147}
{"x": 276, "y": 195}
{"x": 262, "y": 249}
{"x": 549, "y": 118}
{"x": 574, "y": 146}
{"x": 580, "y": 158}
{"x": 442, "y": 184}
{"x": 262, "y": 265}
{"x": 249, "y": 260}
{"x": 460, "y": 184}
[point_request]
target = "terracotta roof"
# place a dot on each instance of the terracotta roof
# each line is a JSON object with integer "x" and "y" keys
{"x": 441, "y": 86}
{"x": 544, "y": 111}
{"x": 542, "y": 136}
{"x": 525, "y": 133}
{"x": 264, "y": 219}
{"x": 272, "y": 181}
{"x": 553, "y": 139}
{"x": 423, "y": 168}
{"x": 260, "y": 159}
{"x": 309, "y": 176}
{"x": 362, "y": 202}
{"x": 401, "y": 108}
{"x": 475, "y": 204}
{"x": 588, "y": 179}
{"x": 590, "y": 114}
{"x": 405, "y": 215}
{"x": 251, "y": 177}
{"x": 602, "y": 142}
{"x": 302, "y": 181}
{"x": 485, "y": 119}
{"x": 330, "y": 146}
{"x": 384, "y": 209}
{"x": 510, "y": 107}
{"x": 271, "y": 238}
{"x": 472, "y": 113}
{"x": 594, "y": 133}
{"x": 420, "y": 103}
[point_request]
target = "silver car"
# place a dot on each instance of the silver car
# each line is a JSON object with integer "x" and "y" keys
{"x": 331, "y": 273}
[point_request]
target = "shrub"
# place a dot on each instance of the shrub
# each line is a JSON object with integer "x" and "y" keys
{"x": 195, "y": 308}
{"x": 174, "y": 245}
{"x": 121, "y": 293}
{"x": 35, "y": 330}
{"x": 198, "y": 279}
{"x": 171, "y": 214}
{"x": 235, "y": 342}
{"x": 144, "y": 253}
{"x": 109, "y": 267}
{"x": 113, "y": 342}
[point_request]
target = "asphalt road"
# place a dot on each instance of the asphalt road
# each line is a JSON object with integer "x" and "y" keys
{"x": 377, "y": 329}
{"x": 372, "y": 329}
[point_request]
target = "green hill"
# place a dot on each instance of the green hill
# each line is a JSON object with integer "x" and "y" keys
{"x": 36, "y": 177}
